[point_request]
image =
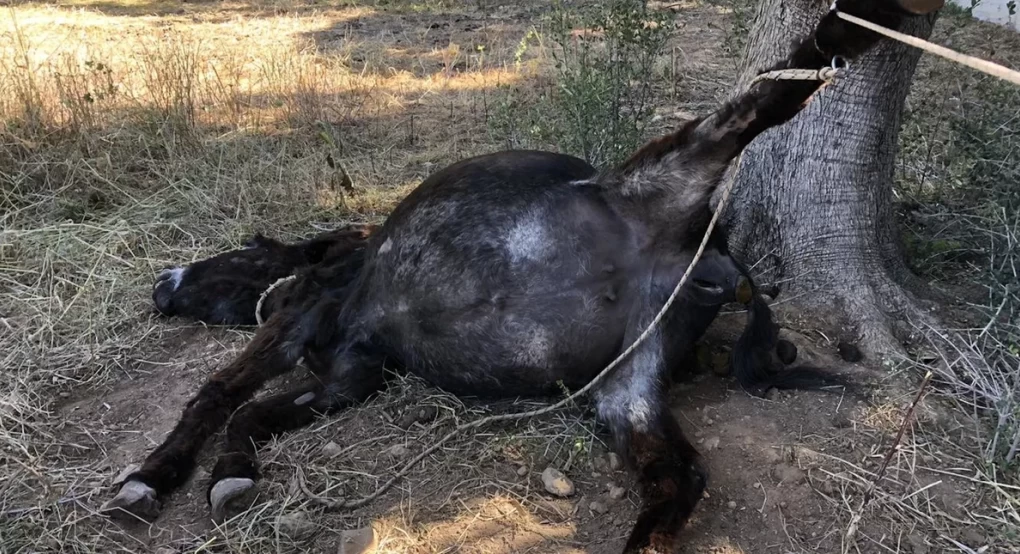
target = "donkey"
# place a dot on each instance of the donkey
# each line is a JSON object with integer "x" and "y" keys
{"x": 508, "y": 275}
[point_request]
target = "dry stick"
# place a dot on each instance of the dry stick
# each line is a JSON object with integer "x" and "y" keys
{"x": 978, "y": 64}
{"x": 812, "y": 75}
{"x": 856, "y": 519}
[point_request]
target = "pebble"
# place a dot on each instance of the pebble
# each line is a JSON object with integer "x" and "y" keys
{"x": 357, "y": 541}
{"x": 557, "y": 483}
{"x": 295, "y": 525}
{"x": 331, "y": 449}
{"x": 711, "y": 443}
{"x": 615, "y": 462}
{"x": 598, "y": 507}
{"x": 731, "y": 505}
{"x": 617, "y": 493}
{"x": 522, "y": 471}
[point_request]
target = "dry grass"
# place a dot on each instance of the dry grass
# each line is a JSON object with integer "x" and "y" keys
{"x": 142, "y": 134}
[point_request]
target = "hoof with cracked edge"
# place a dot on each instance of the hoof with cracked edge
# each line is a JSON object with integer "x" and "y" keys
{"x": 135, "y": 500}
{"x": 230, "y": 496}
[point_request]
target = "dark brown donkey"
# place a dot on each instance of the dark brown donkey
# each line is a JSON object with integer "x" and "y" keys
{"x": 506, "y": 275}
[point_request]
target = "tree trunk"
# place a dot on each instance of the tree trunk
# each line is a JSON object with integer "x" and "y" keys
{"x": 813, "y": 198}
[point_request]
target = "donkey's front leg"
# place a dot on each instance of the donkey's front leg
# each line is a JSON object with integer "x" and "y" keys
{"x": 274, "y": 350}
{"x": 355, "y": 374}
{"x": 632, "y": 403}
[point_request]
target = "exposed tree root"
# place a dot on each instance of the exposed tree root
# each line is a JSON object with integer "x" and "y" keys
{"x": 874, "y": 312}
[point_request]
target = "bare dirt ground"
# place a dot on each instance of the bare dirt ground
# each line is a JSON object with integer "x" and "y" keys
{"x": 94, "y": 380}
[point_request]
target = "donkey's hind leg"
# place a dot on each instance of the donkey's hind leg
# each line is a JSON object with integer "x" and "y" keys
{"x": 632, "y": 402}
{"x": 237, "y": 467}
{"x": 273, "y": 351}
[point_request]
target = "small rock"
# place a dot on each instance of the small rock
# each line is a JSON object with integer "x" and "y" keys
{"x": 295, "y": 525}
{"x": 731, "y": 505}
{"x": 711, "y": 443}
{"x": 557, "y": 483}
{"x": 615, "y": 462}
{"x": 65, "y": 394}
{"x": 397, "y": 451}
{"x": 125, "y": 472}
{"x": 522, "y": 471}
{"x": 598, "y": 507}
{"x": 617, "y": 493}
{"x": 164, "y": 550}
{"x": 331, "y": 449}
{"x": 357, "y": 541}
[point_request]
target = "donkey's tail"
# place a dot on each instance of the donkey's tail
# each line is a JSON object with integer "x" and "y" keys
{"x": 756, "y": 369}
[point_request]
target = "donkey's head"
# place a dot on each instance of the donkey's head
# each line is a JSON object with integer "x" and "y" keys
{"x": 225, "y": 288}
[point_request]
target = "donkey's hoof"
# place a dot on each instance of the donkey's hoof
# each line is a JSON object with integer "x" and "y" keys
{"x": 230, "y": 496}
{"x": 135, "y": 500}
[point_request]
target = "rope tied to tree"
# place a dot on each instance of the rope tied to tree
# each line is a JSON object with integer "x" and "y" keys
{"x": 984, "y": 66}
{"x": 825, "y": 74}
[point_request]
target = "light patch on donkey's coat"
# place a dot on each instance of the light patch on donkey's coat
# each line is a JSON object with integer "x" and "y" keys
{"x": 529, "y": 239}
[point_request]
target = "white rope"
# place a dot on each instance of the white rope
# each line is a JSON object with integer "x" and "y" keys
{"x": 265, "y": 294}
{"x": 827, "y": 74}
{"x": 984, "y": 66}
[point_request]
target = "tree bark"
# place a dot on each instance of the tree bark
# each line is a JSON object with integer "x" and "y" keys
{"x": 813, "y": 198}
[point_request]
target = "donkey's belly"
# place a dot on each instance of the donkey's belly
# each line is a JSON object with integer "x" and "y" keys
{"x": 530, "y": 345}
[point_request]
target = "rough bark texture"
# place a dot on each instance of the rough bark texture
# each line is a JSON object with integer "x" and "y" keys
{"x": 813, "y": 198}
